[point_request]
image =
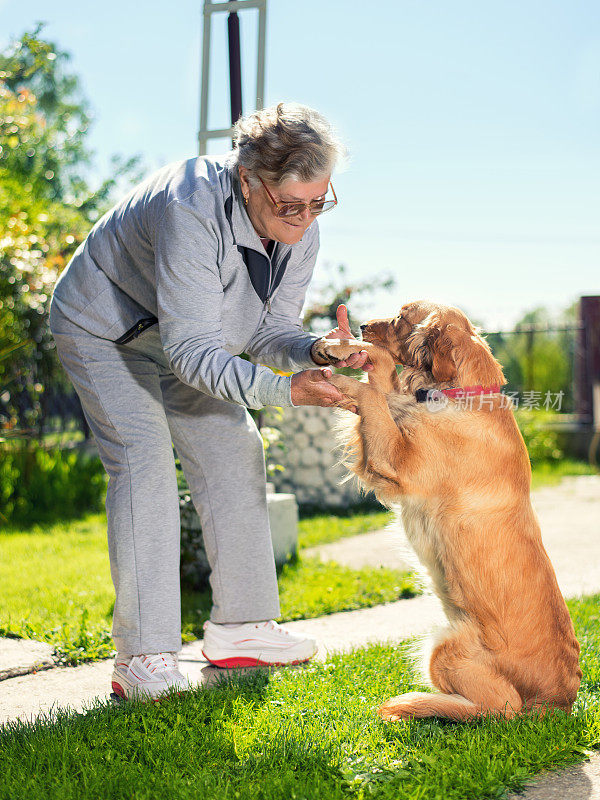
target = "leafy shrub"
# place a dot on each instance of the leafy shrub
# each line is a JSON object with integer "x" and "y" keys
{"x": 41, "y": 485}
{"x": 541, "y": 440}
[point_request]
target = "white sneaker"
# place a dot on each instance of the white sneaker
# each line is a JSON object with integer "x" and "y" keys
{"x": 147, "y": 676}
{"x": 252, "y": 644}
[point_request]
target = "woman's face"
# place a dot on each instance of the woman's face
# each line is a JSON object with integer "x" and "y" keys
{"x": 262, "y": 212}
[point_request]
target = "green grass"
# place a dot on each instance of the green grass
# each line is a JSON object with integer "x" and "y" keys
{"x": 310, "y": 588}
{"x": 56, "y": 583}
{"x": 307, "y": 733}
{"x": 56, "y": 587}
{"x": 48, "y": 575}
{"x": 550, "y": 473}
{"x": 323, "y": 528}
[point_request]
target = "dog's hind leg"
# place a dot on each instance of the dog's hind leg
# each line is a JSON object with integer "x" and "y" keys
{"x": 464, "y": 671}
{"x": 418, "y": 705}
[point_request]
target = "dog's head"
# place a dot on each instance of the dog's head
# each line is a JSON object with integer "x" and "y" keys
{"x": 430, "y": 337}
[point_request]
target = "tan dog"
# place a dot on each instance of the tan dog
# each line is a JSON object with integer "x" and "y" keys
{"x": 462, "y": 476}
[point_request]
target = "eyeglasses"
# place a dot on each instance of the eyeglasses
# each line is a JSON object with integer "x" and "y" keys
{"x": 293, "y": 209}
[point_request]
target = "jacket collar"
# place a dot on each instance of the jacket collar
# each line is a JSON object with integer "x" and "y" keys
{"x": 265, "y": 273}
{"x": 242, "y": 229}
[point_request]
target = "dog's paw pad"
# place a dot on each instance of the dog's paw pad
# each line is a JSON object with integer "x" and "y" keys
{"x": 332, "y": 358}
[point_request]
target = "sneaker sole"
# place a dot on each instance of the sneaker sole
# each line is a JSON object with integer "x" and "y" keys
{"x": 240, "y": 661}
{"x": 119, "y": 691}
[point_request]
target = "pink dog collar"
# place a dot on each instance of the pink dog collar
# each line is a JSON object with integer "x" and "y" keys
{"x": 462, "y": 392}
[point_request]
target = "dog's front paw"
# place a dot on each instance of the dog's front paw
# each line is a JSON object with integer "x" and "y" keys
{"x": 349, "y": 387}
{"x": 335, "y": 350}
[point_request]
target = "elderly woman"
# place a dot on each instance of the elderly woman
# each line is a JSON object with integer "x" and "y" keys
{"x": 206, "y": 259}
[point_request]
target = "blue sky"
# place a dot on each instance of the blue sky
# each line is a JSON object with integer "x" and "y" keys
{"x": 473, "y": 128}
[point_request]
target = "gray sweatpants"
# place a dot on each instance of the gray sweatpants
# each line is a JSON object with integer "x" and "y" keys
{"x": 136, "y": 409}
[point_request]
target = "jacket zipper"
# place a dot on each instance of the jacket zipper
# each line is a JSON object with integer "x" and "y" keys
{"x": 268, "y": 300}
{"x": 136, "y": 329}
{"x": 271, "y": 276}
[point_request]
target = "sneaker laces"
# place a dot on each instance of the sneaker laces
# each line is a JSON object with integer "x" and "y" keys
{"x": 160, "y": 661}
{"x": 271, "y": 625}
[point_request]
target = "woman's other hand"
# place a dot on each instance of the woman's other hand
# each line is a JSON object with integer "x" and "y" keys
{"x": 311, "y": 388}
{"x": 354, "y": 361}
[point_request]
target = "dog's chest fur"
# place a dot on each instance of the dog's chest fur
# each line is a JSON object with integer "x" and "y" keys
{"x": 424, "y": 536}
{"x": 419, "y": 519}
{"x": 403, "y": 409}
{"x": 420, "y": 522}
{"x": 415, "y": 512}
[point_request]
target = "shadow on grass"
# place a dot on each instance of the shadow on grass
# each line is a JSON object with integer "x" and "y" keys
{"x": 187, "y": 745}
{"x": 306, "y": 733}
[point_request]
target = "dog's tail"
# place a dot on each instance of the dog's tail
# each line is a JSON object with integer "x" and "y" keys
{"x": 450, "y": 706}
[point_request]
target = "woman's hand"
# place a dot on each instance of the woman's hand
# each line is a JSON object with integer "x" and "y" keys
{"x": 311, "y": 388}
{"x": 354, "y": 361}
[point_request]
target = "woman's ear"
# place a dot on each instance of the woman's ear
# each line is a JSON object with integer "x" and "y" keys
{"x": 244, "y": 182}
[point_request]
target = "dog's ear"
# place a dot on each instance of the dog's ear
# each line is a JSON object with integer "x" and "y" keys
{"x": 442, "y": 345}
{"x": 475, "y": 363}
{"x": 464, "y": 356}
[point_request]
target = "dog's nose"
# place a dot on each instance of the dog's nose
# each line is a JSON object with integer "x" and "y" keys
{"x": 362, "y": 327}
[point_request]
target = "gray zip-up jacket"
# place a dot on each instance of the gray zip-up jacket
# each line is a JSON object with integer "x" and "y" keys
{"x": 180, "y": 250}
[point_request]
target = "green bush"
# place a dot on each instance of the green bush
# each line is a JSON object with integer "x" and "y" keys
{"x": 41, "y": 485}
{"x": 540, "y": 439}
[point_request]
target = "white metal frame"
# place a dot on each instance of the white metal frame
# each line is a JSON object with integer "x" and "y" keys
{"x": 211, "y": 8}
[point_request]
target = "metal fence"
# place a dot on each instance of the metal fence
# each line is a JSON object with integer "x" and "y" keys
{"x": 60, "y": 412}
{"x": 540, "y": 363}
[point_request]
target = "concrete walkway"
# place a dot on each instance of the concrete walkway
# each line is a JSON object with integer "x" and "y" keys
{"x": 386, "y": 548}
{"x": 569, "y": 516}
{"x": 28, "y": 696}
{"x": 20, "y": 656}
{"x": 570, "y": 519}
{"x": 581, "y": 782}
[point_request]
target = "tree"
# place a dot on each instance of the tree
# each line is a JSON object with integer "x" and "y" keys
{"x": 47, "y": 207}
{"x": 320, "y": 317}
{"x": 538, "y": 360}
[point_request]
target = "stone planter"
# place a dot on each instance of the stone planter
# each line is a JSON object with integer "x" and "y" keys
{"x": 310, "y": 456}
{"x": 283, "y": 519}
